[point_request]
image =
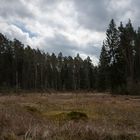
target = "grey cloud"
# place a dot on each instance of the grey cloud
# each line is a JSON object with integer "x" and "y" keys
{"x": 61, "y": 44}
{"x": 91, "y": 50}
{"x": 96, "y": 14}
{"x": 136, "y": 6}
{"x": 47, "y": 5}
{"x": 91, "y": 15}
{"x": 14, "y": 9}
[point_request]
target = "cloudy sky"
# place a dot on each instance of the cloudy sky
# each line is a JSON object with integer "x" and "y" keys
{"x": 68, "y": 26}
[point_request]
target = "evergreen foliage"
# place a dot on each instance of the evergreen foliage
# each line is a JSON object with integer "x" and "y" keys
{"x": 32, "y": 69}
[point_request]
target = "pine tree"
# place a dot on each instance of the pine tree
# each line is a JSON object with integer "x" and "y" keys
{"x": 103, "y": 70}
{"x": 112, "y": 45}
{"x": 127, "y": 36}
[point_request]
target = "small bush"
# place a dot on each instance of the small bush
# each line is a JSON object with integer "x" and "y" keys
{"x": 32, "y": 109}
{"x": 77, "y": 115}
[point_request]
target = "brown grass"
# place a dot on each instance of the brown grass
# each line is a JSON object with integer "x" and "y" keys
{"x": 45, "y": 117}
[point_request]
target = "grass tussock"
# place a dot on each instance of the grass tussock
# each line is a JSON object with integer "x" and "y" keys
{"x": 69, "y": 117}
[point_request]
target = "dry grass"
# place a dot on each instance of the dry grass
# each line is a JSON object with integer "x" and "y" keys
{"x": 45, "y": 117}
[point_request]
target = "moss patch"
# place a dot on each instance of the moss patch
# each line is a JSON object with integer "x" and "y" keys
{"x": 32, "y": 109}
{"x": 74, "y": 115}
{"x": 66, "y": 115}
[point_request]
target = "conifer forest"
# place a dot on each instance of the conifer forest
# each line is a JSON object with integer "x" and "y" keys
{"x": 118, "y": 70}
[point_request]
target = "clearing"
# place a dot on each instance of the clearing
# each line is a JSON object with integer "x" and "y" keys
{"x": 69, "y": 116}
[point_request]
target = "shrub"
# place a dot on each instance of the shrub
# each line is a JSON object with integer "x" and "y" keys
{"x": 32, "y": 109}
{"x": 77, "y": 115}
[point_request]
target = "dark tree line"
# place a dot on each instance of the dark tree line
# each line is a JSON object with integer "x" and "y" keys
{"x": 26, "y": 68}
{"x": 119, "y": 67}
{"x": 32, "y": 69}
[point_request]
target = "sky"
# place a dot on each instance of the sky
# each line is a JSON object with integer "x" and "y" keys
{"x": 67, "y": 26}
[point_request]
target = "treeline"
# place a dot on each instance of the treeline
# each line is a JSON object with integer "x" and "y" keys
{"x": 25, "y": 68}
{"x": 119, "y": 67}
{"x": 31, "y": 69}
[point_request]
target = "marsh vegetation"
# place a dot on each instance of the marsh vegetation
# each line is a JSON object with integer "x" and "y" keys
{"x": 69, "y": 117}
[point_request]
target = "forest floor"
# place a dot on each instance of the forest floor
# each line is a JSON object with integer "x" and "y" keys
{"x": 66, "y": 116}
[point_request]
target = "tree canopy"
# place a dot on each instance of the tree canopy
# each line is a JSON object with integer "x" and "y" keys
{"x": 118, "y": 71}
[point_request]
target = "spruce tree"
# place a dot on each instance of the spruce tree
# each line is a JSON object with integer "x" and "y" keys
{"x": 103, "y": 70}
